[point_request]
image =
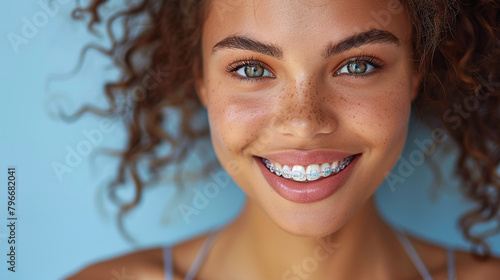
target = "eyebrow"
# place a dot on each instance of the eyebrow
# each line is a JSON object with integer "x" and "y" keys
{"x": 372, "y": 36}
{"x": 245, "y": 43}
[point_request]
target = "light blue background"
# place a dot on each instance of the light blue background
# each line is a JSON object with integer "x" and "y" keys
{"x": 65, "y": 224}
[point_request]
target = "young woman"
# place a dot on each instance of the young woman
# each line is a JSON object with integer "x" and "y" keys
{"x": 308, "y": 105}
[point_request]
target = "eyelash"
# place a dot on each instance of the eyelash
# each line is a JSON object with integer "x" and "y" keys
{"x": 369, "y": 59}
{"x": 252, "y": 62}
{"x": 247, "y": 62}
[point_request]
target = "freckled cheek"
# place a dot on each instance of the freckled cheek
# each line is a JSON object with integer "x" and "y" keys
{"x": 382, "y": 121}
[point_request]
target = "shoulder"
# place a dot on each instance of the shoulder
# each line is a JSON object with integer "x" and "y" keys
{"x": 468, "y": 267}
{"x": 144, "y": 264}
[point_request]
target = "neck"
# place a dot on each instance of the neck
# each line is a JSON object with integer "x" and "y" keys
{"x": 363, "y": 246}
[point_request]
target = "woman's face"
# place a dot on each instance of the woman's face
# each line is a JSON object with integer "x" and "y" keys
{"x": 312, "y": 85}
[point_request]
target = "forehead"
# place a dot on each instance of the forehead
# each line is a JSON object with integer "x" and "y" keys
{"x": 303, "y": 23}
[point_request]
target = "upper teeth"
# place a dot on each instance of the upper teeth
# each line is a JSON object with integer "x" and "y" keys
{"x": 310, "y": 173}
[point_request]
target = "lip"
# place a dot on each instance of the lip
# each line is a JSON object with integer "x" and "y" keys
{"x": 308, "y": 192}
{"x": 305, "y": 158}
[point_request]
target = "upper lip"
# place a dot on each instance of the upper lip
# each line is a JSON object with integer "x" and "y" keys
{"x": 297, "y": 157}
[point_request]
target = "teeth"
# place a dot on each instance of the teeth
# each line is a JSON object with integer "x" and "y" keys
{"x": 298, "y": 173}
{"x": 326, "y": 170}
{"x": 349, "y": 159}
{"x": 277, "y": 169}
{"x": 311, "y": 173}
{"x": 345, "y": 162}
{"x": 287, "y": 173}
{"x": 335, "y": 167}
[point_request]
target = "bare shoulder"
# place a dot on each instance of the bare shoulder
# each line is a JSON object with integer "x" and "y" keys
{"x": 184, "y": 253}
{"x": 468, "y": 267}
{"x": 143, "y": 264}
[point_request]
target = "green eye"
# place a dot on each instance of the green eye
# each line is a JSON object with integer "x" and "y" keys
{"x": 357, "y": 67}
{"x": 254, "y": 71}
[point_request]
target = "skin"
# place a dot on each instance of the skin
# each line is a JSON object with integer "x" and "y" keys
{"x": 305, "y": 105}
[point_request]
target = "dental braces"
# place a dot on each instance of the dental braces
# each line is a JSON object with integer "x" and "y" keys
{"x": 298, "y": 175}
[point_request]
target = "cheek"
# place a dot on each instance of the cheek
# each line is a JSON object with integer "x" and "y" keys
{"x": 235, "y": 121}
{"x": 382, "y": 118}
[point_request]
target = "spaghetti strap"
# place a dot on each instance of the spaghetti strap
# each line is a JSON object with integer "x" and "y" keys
{"x": 167, "y": 260}
{"x": 451, "y": 264}
{"x": 201, "y": 255}
{"x": 412, "y": 253}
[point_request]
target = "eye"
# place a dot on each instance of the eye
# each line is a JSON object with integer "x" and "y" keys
{"x": 359, "y": 66}
{"x": 253, "y": 71}
{"x": 250, "y": 69}
{"x": 356, "y": 67}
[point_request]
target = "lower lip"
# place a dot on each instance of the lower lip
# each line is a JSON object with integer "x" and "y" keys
{"x": 307, "y": 192}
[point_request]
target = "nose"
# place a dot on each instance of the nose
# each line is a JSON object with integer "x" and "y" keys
{"x": 304, "y": 111}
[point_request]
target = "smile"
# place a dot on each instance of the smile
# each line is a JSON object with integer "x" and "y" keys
{"x": 312, "y": 172}
{"x": 308, "y": 181}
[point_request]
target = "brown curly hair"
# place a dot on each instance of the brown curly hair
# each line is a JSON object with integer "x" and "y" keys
{"x": 456, "y": 50}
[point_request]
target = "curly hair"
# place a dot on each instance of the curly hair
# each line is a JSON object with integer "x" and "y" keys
{"x": 456, "y": 51}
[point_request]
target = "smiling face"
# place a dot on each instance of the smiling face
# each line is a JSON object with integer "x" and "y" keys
{"x": 304, "y": 83}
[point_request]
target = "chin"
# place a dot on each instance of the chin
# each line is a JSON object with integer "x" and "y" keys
{"x": 312, "y": 227}
{"x": 314, "y": 219}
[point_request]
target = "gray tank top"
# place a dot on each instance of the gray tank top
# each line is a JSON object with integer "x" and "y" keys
{"x": 410, "y": 250}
